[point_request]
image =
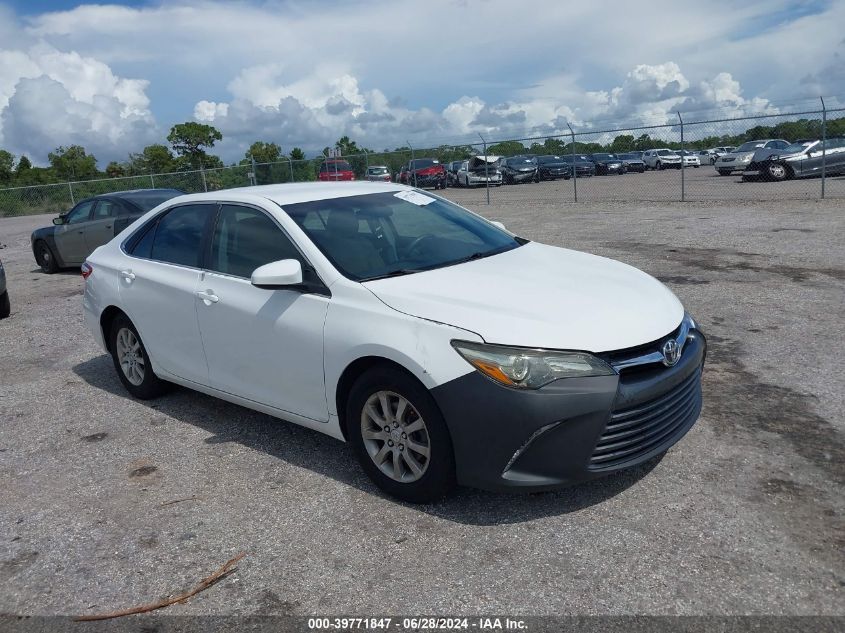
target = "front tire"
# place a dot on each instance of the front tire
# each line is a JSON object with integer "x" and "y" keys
{"x": 45, "y": 258}
{"x": 399, "y": 436}
{"x": 132, "y": 362}
{"x": 5, "y": 306}
{"x": 777, "y": 172}
{"x": 724, "y": 172}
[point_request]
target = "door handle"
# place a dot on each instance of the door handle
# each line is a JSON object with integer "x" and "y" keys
{"x": 208, "y": 296}
{"x": 108, "y": 226}
{"x": 128, "y": 275}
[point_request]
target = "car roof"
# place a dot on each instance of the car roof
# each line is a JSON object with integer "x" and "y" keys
{"x": 129, "y": 194}
{"x": 292, "y": 193}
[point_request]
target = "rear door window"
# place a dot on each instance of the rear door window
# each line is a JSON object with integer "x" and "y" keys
{"x": 179, "y": 235}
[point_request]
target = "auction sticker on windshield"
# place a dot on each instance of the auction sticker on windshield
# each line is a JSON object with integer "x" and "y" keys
{"x": 414, "y": 197}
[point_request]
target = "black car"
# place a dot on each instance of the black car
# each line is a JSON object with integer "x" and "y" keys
{"x": 551, "y": 167}
{"x": 633, "y": 161}
{"x": 92, "y": 223}
{"x": 607, "y": 164}
{"x": 518, "y": 169}
{"x": 583, "y": 165}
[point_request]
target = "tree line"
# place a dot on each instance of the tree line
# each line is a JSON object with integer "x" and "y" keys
{"x": 190, "y": 144}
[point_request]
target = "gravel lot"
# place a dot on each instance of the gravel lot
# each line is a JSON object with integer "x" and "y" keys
{"x": 744, "y": 516}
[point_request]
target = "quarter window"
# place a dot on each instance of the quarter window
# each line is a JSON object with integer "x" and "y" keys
{"x": 245, "y": 239}
{"x": 178, "y": 237}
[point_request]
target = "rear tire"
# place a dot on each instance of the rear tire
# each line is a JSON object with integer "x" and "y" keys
{"x": 724, "y": 172}
{"x": 45, "y": 258}
{"x": 132, "y": 362}
{"x": 5, "y": 306}
{"x": 422, "y": 474}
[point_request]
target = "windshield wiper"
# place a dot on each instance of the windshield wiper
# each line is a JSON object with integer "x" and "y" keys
{"x": 395, "y": 273}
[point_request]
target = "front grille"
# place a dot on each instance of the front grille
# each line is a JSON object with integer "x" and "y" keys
{"x": 639, "y": 431}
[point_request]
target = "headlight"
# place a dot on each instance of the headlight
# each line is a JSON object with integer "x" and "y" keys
{"x": 746, "y": 159}
{"x": 524, "y": 368}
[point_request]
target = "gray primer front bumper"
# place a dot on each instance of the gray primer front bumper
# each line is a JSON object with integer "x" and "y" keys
{"x": 543, "y": 439}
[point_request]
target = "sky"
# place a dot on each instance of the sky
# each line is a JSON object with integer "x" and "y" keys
{"x": 115, "y": 77}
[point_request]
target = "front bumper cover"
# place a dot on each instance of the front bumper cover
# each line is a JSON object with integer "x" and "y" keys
{"x": 509, "y": 439}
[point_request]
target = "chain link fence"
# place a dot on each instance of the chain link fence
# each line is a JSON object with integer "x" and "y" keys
{"x": 699, "y": 176}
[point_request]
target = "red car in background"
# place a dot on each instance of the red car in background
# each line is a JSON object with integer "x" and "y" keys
{"x": 335, "y": 169}
{"x": 424, "y": 172}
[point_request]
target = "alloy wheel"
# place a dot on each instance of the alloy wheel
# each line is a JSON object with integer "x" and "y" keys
{"x": 130, "y": 356}
{"x": 395, "y": 436}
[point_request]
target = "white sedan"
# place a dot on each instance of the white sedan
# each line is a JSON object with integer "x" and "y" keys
{"x": 442, "y": 347}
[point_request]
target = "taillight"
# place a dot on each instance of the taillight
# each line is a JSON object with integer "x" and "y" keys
{"x": 86, "y": 270}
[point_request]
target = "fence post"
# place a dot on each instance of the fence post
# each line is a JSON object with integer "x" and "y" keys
{"x": 254, "y": 179}
{"x": 204, "y": 183}
{"x": 824, "y": 142}
{"x": 70, "y": 188}
{"x": 367, "y": 160}
{"x": 152, "y": 182}
{"x": 290, "y": 163}
{"x": 574, "y": 164}
{"x": 412, "y": 163}
{"x": 486, "y": 167}
{"x": 683, "y": 168}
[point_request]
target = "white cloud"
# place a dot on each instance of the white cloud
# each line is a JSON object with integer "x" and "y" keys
{"x": 280, "y": 70}
{"x": 50, "y": 97}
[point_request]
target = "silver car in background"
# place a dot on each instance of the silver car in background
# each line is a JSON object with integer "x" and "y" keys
{"x": 803, "y": 159}
{"x": 740, "y": 158}
{"x": 378, "y": 173}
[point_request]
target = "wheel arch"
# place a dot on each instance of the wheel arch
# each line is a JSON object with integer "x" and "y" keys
{"x": 106, "y": 319}
{"x": 352, "y": 372}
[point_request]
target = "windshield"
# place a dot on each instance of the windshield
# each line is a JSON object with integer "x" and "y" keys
{"x": 797, "y": 147}
{"x": 750, "y": 146}
{"x": 543, "y": 160}
{"x": 664, "y": 152}
{"x": 422, "y": 163}
{"x": 604, "y": 156}
{"x": 377, "y": 171}
{"x": 336, "y": 165}
{"x": 394, "y": 233}
{"x": 520, "y": 162}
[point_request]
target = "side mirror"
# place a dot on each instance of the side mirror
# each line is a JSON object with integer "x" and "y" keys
{"x": 59, "y": 220}
{"x": 499, "y": 224}
{"x": 281, "y": 274}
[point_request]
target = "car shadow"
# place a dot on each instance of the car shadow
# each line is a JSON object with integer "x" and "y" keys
{"x": 61, "y": 271}
{"x": 297, "y": 445}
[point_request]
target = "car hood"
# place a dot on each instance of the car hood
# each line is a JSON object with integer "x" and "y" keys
{"x": 540, "y": 296}
{"x": 736, "y": 155}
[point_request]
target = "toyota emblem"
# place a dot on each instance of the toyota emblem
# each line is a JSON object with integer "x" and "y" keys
{"x": 671, "y": 352}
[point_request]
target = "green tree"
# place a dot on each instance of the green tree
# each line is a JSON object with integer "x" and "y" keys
{"x": 153, "y": 159}
{"x": 506, "y": 148}
{"x": 622, "y": 143}
{"x": 264, "y": 153}
{"x": 190, "y": 140}
{"x": 297, "y": 154}
{"x": 115, "y": 170}
{"x": 23, "y": 166}
{"x": 7, "y": 164}
{"x": 73, "y": 163}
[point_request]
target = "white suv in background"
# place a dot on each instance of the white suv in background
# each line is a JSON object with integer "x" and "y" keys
{"x": 661, "y": 158}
